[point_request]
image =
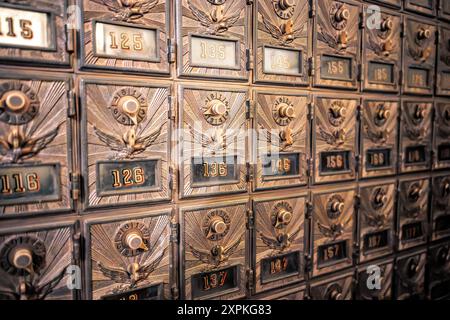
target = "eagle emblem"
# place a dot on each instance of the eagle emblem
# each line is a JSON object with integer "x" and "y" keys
{"x": 375, "y": 220}
{"x": 128, "y": 10}
{"x": 333, "y": 231}
{"x": 381, "y": 48}
{"x": 281, "y": 241}
{"x": 337, "y": 43}
{"x": 285, "y": 33}
{"x": 214, "y": 142}
{"x": 217, "y": 255}
{"x": 335, "y": 138}
{"x": 216, "y": 22}
{"x": 377, "y": 136}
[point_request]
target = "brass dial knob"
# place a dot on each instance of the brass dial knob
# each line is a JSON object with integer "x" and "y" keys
{"x": 286, "y": 111}
{"x": 216, "y": 108}
{"x": 383, "y": 114}
{"x": 335, "y": 295}
{"x": 285, "y": 4}
{"x": 218, "y": 226}
{"x": 16, "y": 100}
{"x": 342, "y": 14}
{"x": 442, "y": 256}
{"x": 423, "y": 34}
{"x": 22, "y": 258}
{"x": 387, "y": 25}
{"x": 130, "y": 105}
{"x": 415, "y": 193}
{"x": 447, "y": 114}
{"x": 134, "y": 241}
{"x": 419, "y": 113}
{"x": 284, "y": 216}
{"x": 412, "y": 268}
{"x": 337, "y": 206}
{"x": 445, "y": 188}
{"x": 338, "y": 111}
{"x": 380, "y": 199}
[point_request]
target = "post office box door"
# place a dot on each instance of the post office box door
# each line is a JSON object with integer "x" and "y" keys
{"x": 214, "y": 241}
{"x": 333, "y": 223}
{"x": 410, "y": 276}
{"x": 376, "y": 218}
{"x": 419, "y": 51}
{"x": 439, "y": 272}
{"x": 375, "y": 281}
{"x": 213, "y": 139}
{"x": 378, "y": 150}
{"x": 441, "y": 132}
{"x": 279, "y": 242}
{"x": 334, "y": 138}
{"x": 213, "y": 38}
{"x": 281, "y": 147}
{"x": 128, "y": 258}
{"x": 130, "y": 36}
{"x": 381, "y": 50}
{"x": 35, "y": 139}
{"x": 34, "y": 32}
{"x": 440, "y": 213}
{"x": 412, "y": 212}
{"x": 336, "y": 44}
{"x": 443, "y": 63}
{"x": 336, "y": 288}
{"x": 415, "y": 135}
{"x": 427, "y": 7}
{"x": 281, "y": 42}
{"x": 125, "y": 139}
{"x": 38, "y": 263}
{"x": 444, "y": 10}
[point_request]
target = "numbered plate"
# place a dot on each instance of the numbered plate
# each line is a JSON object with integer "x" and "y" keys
{"x": 443, "y": 63}
{"x": 281, "y": 41}
{"x": 35, "y": 134}
{"x": 41, "y": 260}
{"x": 410, "y": 275}
{"x": 439, "y": 272}
{"x": 427, "y": 7}
{"x": 213, "y": 140}
{"x": 419, "y": 51}
{"x": 440, "y": 212}
{"x": 125, "y": 35}
{"x": 376, "y": 216}
{"x": 441, "y": 132}
{"x": 128, "y": 258}
{"x": 34, "y": 31}
{"x": 336, "y": 44}
{"x": 281, "y": 147}
{"x": 213, "y": 38}
{"x": 381, "y": 50}
{"x": 125, "y": 136}
{"x": 334, "y": 138}
{"x": 412, "y": 212}
{"x": 332, "y": 225}
{"x": 415, "y": 135}
{"x": 338, "y": 287}
{"x": 214, "y": 243}
{"x": 279, "y": 241}
{"x": 378, "y": 143}
{"x": 375, "y": 281}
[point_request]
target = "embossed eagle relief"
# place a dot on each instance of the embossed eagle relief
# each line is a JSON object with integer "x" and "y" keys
{"x": 128, "y": 10}
{"x": 279, "y": 139}
{"x": 376, "y": 136}
{"x": 285, "y": 33}
{"x": 217, "y": 255}
{"x": 281, "y": 242}
{"x": 335, "y": 138}
{"x": 332, "y": 231}
{"x": 212, "y": 140}
{"x": 381, "y": 48}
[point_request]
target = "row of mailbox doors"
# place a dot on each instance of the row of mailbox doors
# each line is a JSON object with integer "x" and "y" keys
{"x": 293, "y": 41}
{"x": 132, "y": 151}
{"x": 223, "y": 250}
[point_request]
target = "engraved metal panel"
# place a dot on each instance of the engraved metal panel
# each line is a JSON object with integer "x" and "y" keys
{"x": 381, "y": 51}
{"x": 281, "y": 41}
{"x": 125, "y": 35}
{"x": 410, "y": 276}
{"x": 279, "y": 241}
{"x": 128, "y": 257}
{"x": 334, "y": 138}
{"x": 34, "y": 32}
{"x": 35, "y": 135}
{"x": 333, "y": 223}
{"x": 439, "y": 272}
{"x": 281, "y": 148}
{"x": 440, "y": 207}
{"x": 415, "y": 135}
{"x": 441, "y": 132}
{"x": 333, "y": 288}
{"x": 378, "y": 142}
{"x": 336, "y": 44}
{"x": 35, "y": 262}
{"x": 384, "y": 291}
{"x": 419, "y": 54}
{"x": 214, "y": 241}
{"x": 126, "y": 141}
{"x": 412, "y": 212}
{"x": 213, "y": 38}
{"x": 443, "y": 62}
{"x": 376, "y": 216}
{"x": 213, "y": 140}
{"x": 427, "y": 7}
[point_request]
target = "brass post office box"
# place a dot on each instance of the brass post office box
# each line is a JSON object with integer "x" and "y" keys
{"x": 35, "y": 32}
{"x": 213, "y": 140}
{"x": 128, "y": 257}
{"x": 443, "y": 62}
{"x": 440, "y": 212}
{"x": 378, "y": 140}
{"x": 419, "y": 54}
{"x": 412, "y": 211}
{"x": 40, "y": 262}
{"x": 334, "y": 137}
{"x": 427, "y": 7}
{"x": 336, "y": 43}
{"x": 439, "y": 272}
{"x": 125, "y": 142}
{"x": 441, "y": 132}
{"x": 444, "y": 10}
{"x": 376, "y": 219}
{"x": 374, "y": 281}
{"x": 410, "y": 276}
{"x": 213, "y": 38}
{"x": 415, "y": 135}
{"x": 332, "y": 229}
{"x": 214, "y": 250}
{"x": 279, "y": 240}
{"x": 130, "y": 36}
{"x": 381, "y": 49}
{"x": 281, "y": 44}
{"x": 281, "y": 146}
{"x": 35, "y": 145}
{"x": 338, "y": 287}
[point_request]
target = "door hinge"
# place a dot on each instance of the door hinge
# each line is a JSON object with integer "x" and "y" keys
{"x": 308, "y": 263}
{"x": 310, "y": 110}
{"x": 361, "y": 20}
{"x": 355, "y": 251}
{"x": 402, "y": 29}
{"x": 312, "y": 10}
{"x": 75, "y": 184}
{"x": 171, "y": 112}
{"x": 360, "y": 72}
{"x": 71, "y": 109}
{"x": 174, "y": 292}
{"x": 249, "y": 2}
{"x": 250, "y": 280}
{"x": 76, "y": 247}
{"x": 70, "y": 36}
{"x": 311, "y": 67}
{"x": 250, "y": 63}
{"x": 400, "y": 78}
{"x": 249, "y": 169}
{"x": 174, "y": 232}
{"x": 357, "y": 204}
{"x": 309, "y": 210}
{"x": 249, "y": 109}
{"x": 309, "y": 167}
{"x": 250, "y": 219}
{"x": 171, "y": 50}
{"x": 357, "y": 163}
{"x": 171, "y": 177}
